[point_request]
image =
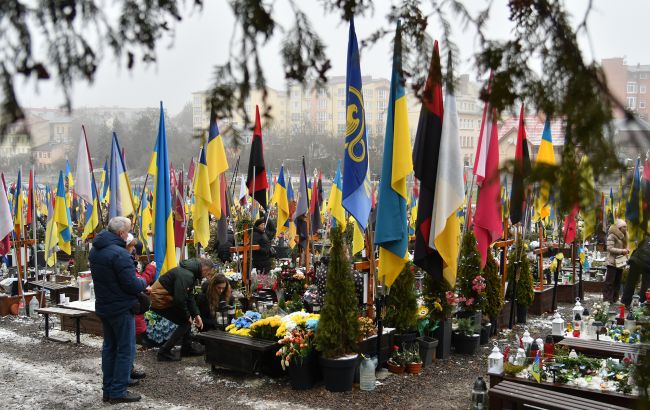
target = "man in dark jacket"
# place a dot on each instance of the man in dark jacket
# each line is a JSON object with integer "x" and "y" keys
{"x": 223, "y": 248}
{"x": 261, "y": 257}
{"x": 172, "y": 296}
{"x": 116, "y": 286}
{"x": 639, "y": 266}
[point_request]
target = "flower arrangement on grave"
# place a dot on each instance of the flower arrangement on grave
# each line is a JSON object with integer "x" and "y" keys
{"x": 600, "y": 312}
{"x": 493, "y": 291}
{"x": 470, "y": 284}
{"x": 265, "y": 328}
{"x": 434, "y": 295}
{"x": 298, "y": 342}
{"x": 398, "y": 357}
{"x": 620, "y": 334}
{"x": 266, "y": 281}
{"x": 402, "y": 304}
{"x": 366, "y": 328}
{"x": 293, "y": 283}
{"x": 241, "y": 325}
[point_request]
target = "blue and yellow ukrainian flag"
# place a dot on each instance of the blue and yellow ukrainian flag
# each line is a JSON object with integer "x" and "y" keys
{"x": 391, "y": 234}
{"x": 163, "y": 229}
{"x": 92, "y": 214}
{"x": 51, "y": 237}
{"x": 280, "y": 198}
{"x": 19, "y": 206}
{"x": 545, "y": 156}
{"x": 103, "y": 198}
{"x": 217, "y": 164}
{"x": 68, "y": 175}
{"x": 62, "y": 218}
{"x": 203, "y": 199}
{"x": 292, "y": 230}
{"x": 335, "y": 201}
{"x": 356, "y": 186}
{"x": 120, "y": 201}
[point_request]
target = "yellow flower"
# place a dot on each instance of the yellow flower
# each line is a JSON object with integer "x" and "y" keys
{"x": 437, "y": 306}
{"x": 230, "y": 326}
{"x": 423, "y": 312}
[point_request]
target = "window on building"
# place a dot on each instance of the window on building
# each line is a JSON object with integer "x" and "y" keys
{"x": 631, "y": 87}
{"x": 642, "y": 89}
{"x": 631, "y": 102}
{"x": 197, "y": 100}
{"x": 642, "y": 104}
{"x": 341, "y": 128}
{"x": 296, "y": 105}
{"x": 341, "y": 117}
{"x": 340, "y": 92}
{"x": 322, "y": 92}
{"x": 295, "y": 116}
{"x": 381, "y": 94}
{"x": 380, "y": 128}
{"x": 643, "y": 76}
{"x": 368, "y": 116}
{"x": 322, "y": 116}
{"x": 367, "y": 94}
{"x": 322, "y": 103}
{"x": 341, "y": 103}
{"x": 381, "y": 105}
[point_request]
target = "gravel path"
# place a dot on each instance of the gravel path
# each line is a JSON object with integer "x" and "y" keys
{"x": 35, "y": 373}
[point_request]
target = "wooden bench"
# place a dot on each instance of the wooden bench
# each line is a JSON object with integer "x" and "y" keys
{"x": 511, "y": 395}
{"x": 627, "y": 401}
{"x": 71, "y": 313}
{"x": 600, "y": 348}
{"x": 240, "y": 353}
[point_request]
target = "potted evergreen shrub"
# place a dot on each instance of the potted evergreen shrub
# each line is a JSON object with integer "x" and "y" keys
{"x": 402, "y": 307}
{"x": 470, "y": 283}
{"x": 493, "y": 296}
{"x": 435, "y": 294}
{"x": 524, "y": 284}
{"x": 466, "y": 340}
{"x": 338, "y": 327}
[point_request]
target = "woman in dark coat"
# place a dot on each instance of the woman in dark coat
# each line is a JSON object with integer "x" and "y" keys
{"x": 213, "y": 292}
{"x": 261, "y": 257}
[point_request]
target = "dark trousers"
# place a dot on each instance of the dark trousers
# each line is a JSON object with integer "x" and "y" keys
{"x": 182, "y": 332}
{"x": 118, "y": 353}
{"x": 631, "y": 282}
{"x": 612, "y": 284}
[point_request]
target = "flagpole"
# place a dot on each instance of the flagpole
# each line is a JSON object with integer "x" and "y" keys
{"x": 92, "y": 174}
{"x": 182, "y": 250}
{"x": 34, "y": 223}
{"x": 253, "y": 213}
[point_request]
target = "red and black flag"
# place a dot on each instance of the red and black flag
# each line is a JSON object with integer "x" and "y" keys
{"x": 521, "y": 171}
{"x": 425, "y": 165}
{"x": 256, "y": 161}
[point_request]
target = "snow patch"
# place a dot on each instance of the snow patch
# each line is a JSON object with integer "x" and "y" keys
{"x": 8, "y": 336}
{"x": 261, "y": 404}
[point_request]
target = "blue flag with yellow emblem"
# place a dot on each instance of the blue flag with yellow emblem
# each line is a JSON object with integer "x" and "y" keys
{"x": 356, "y": 187}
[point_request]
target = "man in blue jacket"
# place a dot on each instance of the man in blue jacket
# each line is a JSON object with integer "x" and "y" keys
{"x": 116, "y": 287}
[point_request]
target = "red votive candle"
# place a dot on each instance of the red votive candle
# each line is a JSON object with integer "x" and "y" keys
{"x": 621, "y": 311}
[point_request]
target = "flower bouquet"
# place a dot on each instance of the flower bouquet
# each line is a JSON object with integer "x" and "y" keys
{"x": 297, "y": 343}
{"x": 265, "y": 328}
{"x": 241, "y": 325}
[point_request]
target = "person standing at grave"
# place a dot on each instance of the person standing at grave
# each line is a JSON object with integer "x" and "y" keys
{"x": 616, "y": 259}
{"x": 116, "y": 288}
{"x": 172, "y": 297}
{"x": 639, "y": 267}
{"x": 262, "y": 256}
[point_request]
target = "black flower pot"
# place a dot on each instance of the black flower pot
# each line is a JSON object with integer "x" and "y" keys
{"x": 464, "y": 344}
{"x": 405, "y": 340}
{"x": 486, "y": 332}
{"x": 475, "y": 315}
{"x": 304, "y": 373}
{"x": 428, "y": 346}
{"x": 522, "y": 313}
{"x": 443, "y": 334}
{"x": 338, "y": 374}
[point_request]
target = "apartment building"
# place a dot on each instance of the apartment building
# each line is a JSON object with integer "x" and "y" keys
{"x": 630, "y": 84}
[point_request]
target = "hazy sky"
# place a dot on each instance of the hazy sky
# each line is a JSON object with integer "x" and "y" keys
{"x": 185, "y": 64}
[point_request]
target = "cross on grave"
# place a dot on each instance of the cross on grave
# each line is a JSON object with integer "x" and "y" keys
{"x": 371, "y": 265}
{"x": 244, "y": 249}
{"x": 539, "y": 252}
{"x": 503, "y": 245}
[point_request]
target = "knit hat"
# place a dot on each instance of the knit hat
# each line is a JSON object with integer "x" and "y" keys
{"x": 259, "y": 222}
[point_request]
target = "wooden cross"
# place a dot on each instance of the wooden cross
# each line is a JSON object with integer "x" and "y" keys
{"x": 244, "y": 248}
{"x": 539, "y": 252}
{"x": 504, "y": 245}
{"x": 370, "y": 265}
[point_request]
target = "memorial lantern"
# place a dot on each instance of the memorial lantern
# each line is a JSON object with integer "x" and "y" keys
{"x": 495, "y": 360}
{"x": 558, "y": 325}
{"x": 526, "y": 339}
{"x": 479, "y": 395}
{"x": 578, "y": 308}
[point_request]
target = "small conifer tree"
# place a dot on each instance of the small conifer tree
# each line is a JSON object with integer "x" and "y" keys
{"x": 338, "y": 327}
{"x": 493, "y": 291}
{"x": 402, "y": 304}
{"x": 469, "y": 268}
